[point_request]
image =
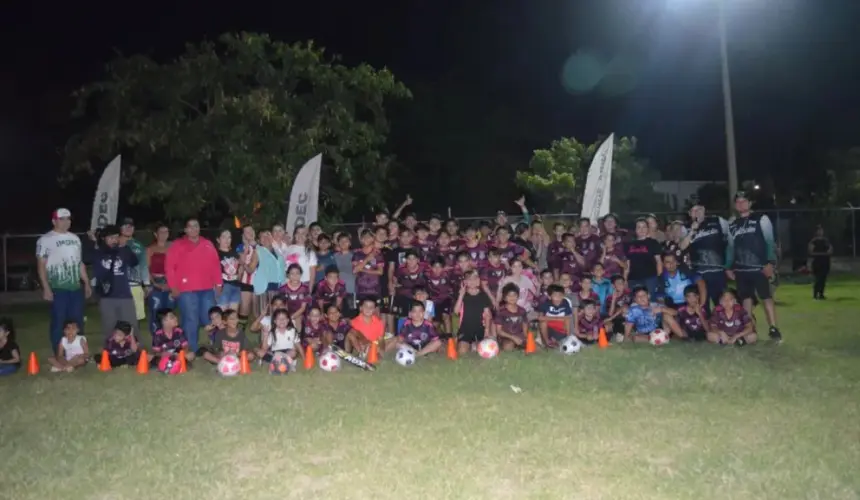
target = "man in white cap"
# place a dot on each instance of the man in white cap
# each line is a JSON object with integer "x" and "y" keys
{"x": 62, "y": 274}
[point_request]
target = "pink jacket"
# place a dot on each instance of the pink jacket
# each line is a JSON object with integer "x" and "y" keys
{"x": 192, "y": 267}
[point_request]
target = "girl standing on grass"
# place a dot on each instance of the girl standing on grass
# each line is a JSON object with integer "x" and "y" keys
{"x": 297, "y": 293}
{"x": 281, "y": 339}
{"x": 474, "y": 307}
{"x": 159, "y": 294}
{"x": 228, "y": 295}
{"x": 72, "y": 351}
{"x": 121, "y": 347}
{"x": 10, "y": 355}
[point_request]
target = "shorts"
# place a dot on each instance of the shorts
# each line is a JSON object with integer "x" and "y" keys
{"x": 245, "y": 287}
{"x": 697, "y": 335}
{"x": 471, "y": 335}
{"x": 752, "y": 284}
{"x": 418, "y": 346}
{"x": 401, "y": 305}
{"x": 267, "y": 358}
{"x": 230, "y": 294}
{"x": 139, "y": 297}
{"x": 443, "y": 306}
{"x": 556, "y": 335}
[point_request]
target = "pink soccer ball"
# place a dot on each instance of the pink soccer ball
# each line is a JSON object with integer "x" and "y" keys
{"x": 229, "y": 365}
{"x": 659, "y": 337}
{"x": 168, "y": 365}
{"x": 329, "y": 362}
{"x": 488, "y": 348}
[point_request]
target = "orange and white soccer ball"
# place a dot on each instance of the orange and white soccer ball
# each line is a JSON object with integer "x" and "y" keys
{"x": 329, "y": 362}
{"x": 488, "y": 348}
{"x": 659, "y": 337}
{"x": 229, "y": 365}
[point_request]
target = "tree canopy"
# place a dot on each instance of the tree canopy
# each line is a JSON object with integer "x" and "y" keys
{"x": 225, "y": 127}
{"x": 556, "y": 176}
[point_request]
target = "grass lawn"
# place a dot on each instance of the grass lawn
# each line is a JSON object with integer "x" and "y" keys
{"x": 683, "y": 421}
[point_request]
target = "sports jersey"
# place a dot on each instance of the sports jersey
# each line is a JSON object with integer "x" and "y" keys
{"x": 409, "y": 279}
{"x": 588, "y": 326}
{"x": 721, "y": 322}
{"x": 477, "y": 253}
{"x": 690, "y": 320}
{"x": 492, "y": 275}
{"x": 751, "y": 243}
{"x": 339, "y": 331}
{"x": 418, "y": 336}
{"x": 117, "y": 349}
{"x": 367, "y": 284}
{"x": 438, "y": 285}
{"x": 162, "y": 342}
{"x": 511, "y": 322}
{"x": 708, "y": 245}
{"x": 226, "y": 343}
{"x": 675, "y": 284}
{"x": 296, "y": 297}
{"x": 329, "y": 294}
{"x": 644, "y": 320}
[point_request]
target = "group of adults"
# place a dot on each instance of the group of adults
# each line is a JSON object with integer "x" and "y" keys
{"x": 193, "y": 274}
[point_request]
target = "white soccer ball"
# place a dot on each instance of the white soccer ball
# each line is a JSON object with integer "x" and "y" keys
{"x": 229, "y": 365}
{"x": 329, "y": 362}
{"x": 659, "y": 337}
{"x": 405, "y": 357}
{"x": 488, "y": 348}
{"x": 570, "y": 345}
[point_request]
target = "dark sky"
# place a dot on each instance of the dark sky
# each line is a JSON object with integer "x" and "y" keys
{"x": 795, "y": 70}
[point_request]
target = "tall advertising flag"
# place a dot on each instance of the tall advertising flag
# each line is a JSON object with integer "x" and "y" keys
{"x": 304, "y": 201}
{"x": 107, "y": 196}
{"x": 595, "y": 201}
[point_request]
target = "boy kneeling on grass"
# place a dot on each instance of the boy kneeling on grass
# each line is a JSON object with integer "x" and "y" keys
{"x": 555, "y": 317}
{"x": 644, "y": 316}
{"x": 121, "y": 347}
{"x": 72, "y": 351}
{"x": 229, "y": 340}
{"x": 418, "y": 333}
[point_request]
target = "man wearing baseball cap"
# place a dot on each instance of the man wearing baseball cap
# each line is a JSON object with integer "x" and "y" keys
{"x": 706, "y": 240}
{"x": 751, "y": 259}
{"x": 62, "y": 274}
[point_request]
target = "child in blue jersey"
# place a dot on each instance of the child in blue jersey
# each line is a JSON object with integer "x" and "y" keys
{"x": 418, "y": 333}
{"x": 644, "y": 316}
{"x": 555, "y": 317}
{"x": 601, "y": 285}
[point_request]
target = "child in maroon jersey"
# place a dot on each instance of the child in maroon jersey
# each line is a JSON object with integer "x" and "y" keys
{"x": 367, "y": 265}
{"x": 417, "y": 333}
{"x": 570, "y": 284}
{"x": 440, "y": 290}
{"x": 585, "y": 293}
{"x": 297, "y": 294}
{"x": 169, "y": 339}
{"x": 453, "y": 229}
{"x": 569, "y": 260}
{"x": 511, "y": 321}
{"x": 493, "y": 272}
{"x": 616, "y": 305}
{"x": 692, "y": 316}
{"x": 557, "y": 245}
{"x": 730, "y": 323}
{"x": 393, "y": 233}
{"x": 612, "y": 257}
{"x": 434, "y": 224}
{"x": 423, "y": 244}
{"x": 509, "y": 251}
{"x": 406, "y": 278}
{"x": 331, "y": 290}
{"x": 336, "y": 327}
{"x": 588, "y": 324}
{"x": 476, "y": 248}
{"x": 446, "y": 250}
{"x": 121, "y": 347}
{"x": 464, "y": 265}
{"x": 313, "y": 332}
{"x": 485, "y": 232}
{"x": 610, "y": 226}
{"x": 588, "y": 243}
{"x": 546, "y": 282}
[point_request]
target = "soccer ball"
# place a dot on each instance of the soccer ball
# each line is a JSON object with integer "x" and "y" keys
{"x": 229, "y": 365}
{"x": 659, "y": 337}
{"x": 280, "y": 364}
{"x": 168, "y": 365}
{"x": 488, "y": 348}
{"x": 570, "y": 345}
{"x": 330, "y": 362}
{"x": 405, "y": 357}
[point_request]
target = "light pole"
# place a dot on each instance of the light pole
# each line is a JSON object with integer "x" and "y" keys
{"x": 731, "y": 156}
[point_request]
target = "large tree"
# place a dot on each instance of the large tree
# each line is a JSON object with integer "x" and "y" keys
{"x": 225, "y": 127}
{"x": 556, "y": 177}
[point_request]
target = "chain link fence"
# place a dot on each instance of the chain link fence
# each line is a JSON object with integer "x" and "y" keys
{"x": 794, "y": 227}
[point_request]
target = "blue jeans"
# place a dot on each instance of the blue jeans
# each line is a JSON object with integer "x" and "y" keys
{"x": 194, "y": 313}
{"x": 651, "y": 284}
{"x": 230, "y": 294}
{"x": 157, "y": 300}
{"x": 8, "y": 369}
{"x": 68, "y": 305}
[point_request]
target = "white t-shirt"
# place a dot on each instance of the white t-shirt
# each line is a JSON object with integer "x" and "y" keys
{"x": 62, "y": 254}
{"x": 281, "y": 341}
{"x": 73, "y": 348}
{"x": 299, "y": 254}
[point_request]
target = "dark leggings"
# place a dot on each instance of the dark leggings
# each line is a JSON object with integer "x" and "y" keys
{"x": 820, "y": 273}
{"x": 8, "y": 369}
{"x": 116, "y": 362}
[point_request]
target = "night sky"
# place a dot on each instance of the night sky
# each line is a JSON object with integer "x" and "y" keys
{"x": 794, "y": 63}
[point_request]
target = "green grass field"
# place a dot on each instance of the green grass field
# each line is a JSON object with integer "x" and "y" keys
{"x": 680, "y": 422}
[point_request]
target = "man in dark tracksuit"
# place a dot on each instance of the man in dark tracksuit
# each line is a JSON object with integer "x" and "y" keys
{"x": 706, "y": 242}
{"x": 751, "y": 259}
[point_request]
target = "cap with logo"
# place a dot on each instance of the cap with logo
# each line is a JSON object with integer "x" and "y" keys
{"x": 741, "y": 195}
{"x": 61, "y": 213}
{"x": 127, "y": 221}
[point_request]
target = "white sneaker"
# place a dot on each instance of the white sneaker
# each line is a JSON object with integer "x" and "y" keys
{"x": 54, "y": 369}
{"x": 619, "y": 338}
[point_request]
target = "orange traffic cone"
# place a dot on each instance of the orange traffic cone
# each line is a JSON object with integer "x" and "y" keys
{"x": 373, "y": 354}
{"x": 244, "y": 366}
{"x": 530, "y": 343}
{"x": 33, "y": 365}
{"x": 309, "y": 358}
{"x": 452, "y": 349}
{"x": 602, "y": 341}
{"x": 183, "y": 363}
{"x": 143, "y": 363}
{"x": 104, "y": 363}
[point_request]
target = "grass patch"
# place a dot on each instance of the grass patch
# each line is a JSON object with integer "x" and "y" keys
{"x": 684, "y": 421}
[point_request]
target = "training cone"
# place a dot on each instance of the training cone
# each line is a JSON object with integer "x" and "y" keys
{"x": 530, "y": 343}
{"x": 602, "y": 341}
{"x": 244, "y": 366}
{"x": 143, "y": 363}
{"x": 309, "y": 358}
{"x": 33, "y": 365}
{"x": 104, "y": 363}
{"x": 452, "y": 349}
{"x": 183, "y": 363}
{"x": 373, "y": 354}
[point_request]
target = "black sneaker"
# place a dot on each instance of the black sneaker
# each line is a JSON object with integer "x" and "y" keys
{"x": 775, "y": 334}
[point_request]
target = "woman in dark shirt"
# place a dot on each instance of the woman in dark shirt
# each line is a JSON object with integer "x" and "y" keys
{"x": 643, "y": 258}
{"x": 820, "y": 251}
